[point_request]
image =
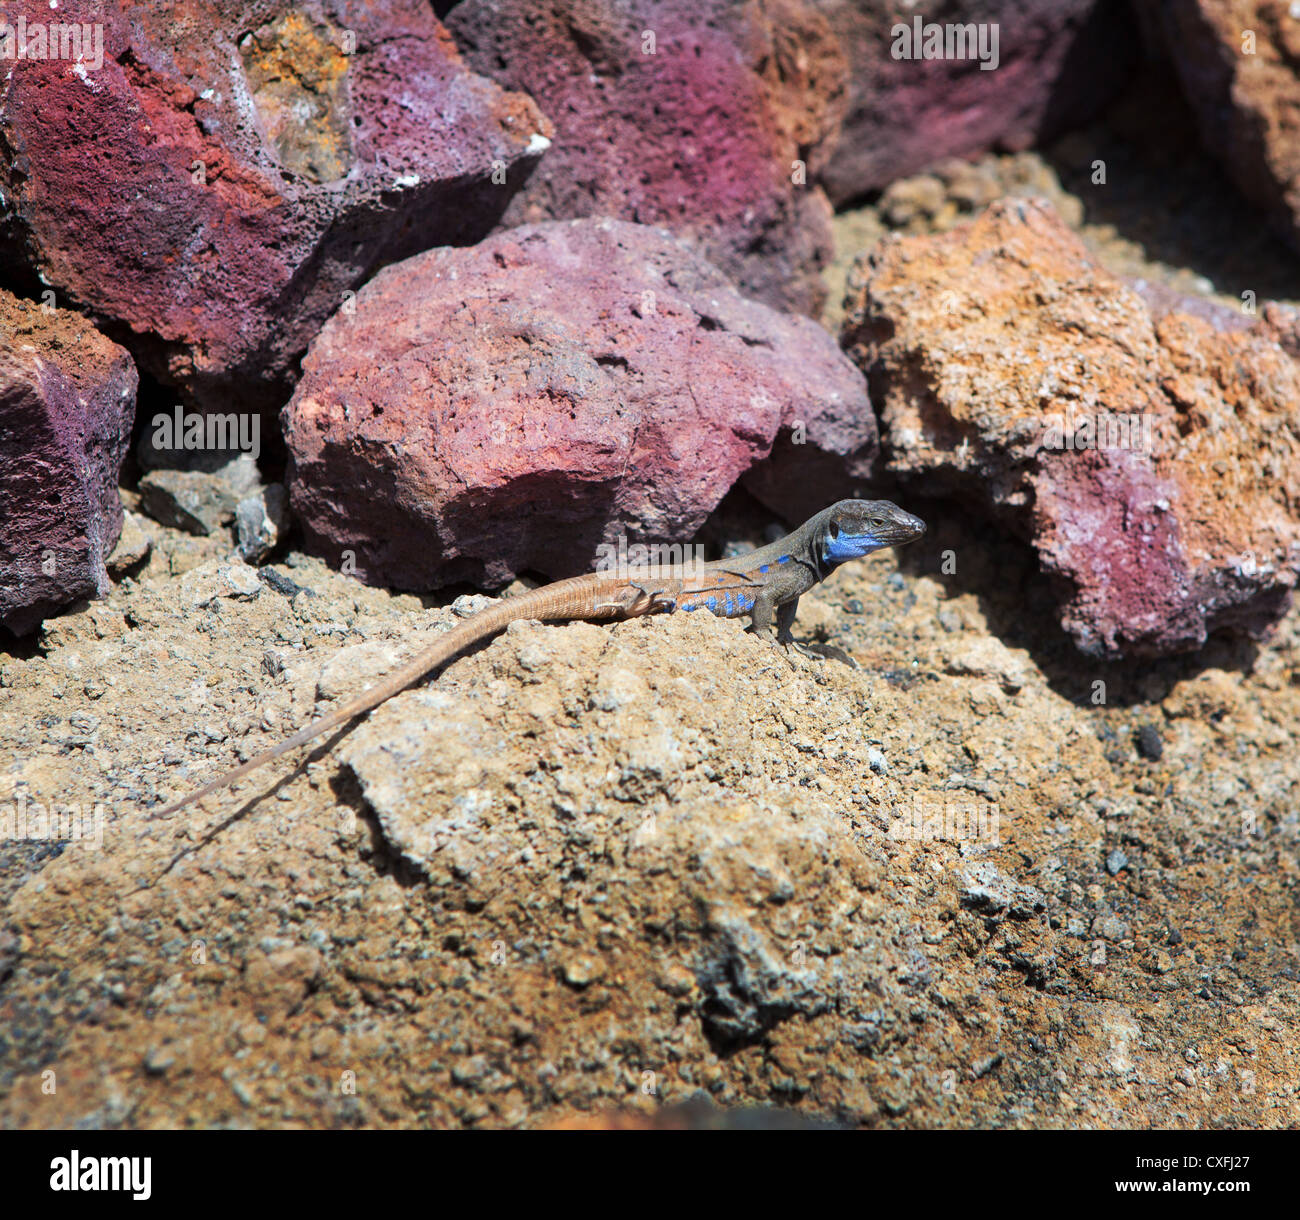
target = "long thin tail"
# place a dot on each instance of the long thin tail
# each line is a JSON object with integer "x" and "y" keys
{"x": 563, "y": 600}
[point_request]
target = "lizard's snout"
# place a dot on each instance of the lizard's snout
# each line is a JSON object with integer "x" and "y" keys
{"x": 908, "y": 526}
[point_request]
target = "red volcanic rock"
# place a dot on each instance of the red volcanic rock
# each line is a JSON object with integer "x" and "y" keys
{"x": 1247, "y": 101}
{"x": 1058, "y": 63}
{"x": 214, "y": 180}
{"x": 689, "y": 114}
{"x": 511, "y": 406}
{"x": 1153, "y": 462}
{"x": 67, "y": 399}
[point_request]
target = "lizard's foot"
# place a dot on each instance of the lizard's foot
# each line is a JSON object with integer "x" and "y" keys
{"x": 784, "y": 641}
{"x": 819, "y": 652}
{"x": 829, "y": 652}
{"x": 779, "y": 640}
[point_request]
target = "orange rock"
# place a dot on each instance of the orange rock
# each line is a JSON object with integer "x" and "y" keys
{"x": 1152, "y": 461}
{"x": 1237, "y": 62}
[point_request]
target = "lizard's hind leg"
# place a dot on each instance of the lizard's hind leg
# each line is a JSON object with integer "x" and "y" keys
{"x": 642, "y": 597}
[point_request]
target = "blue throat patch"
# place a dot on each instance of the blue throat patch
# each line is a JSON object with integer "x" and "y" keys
{"x": 850, "y": 546}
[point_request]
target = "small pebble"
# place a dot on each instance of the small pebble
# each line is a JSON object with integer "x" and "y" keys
{"x": 261, "y": 521}
{"x": 582, "y": 971}
{"x": 132, "y": 546}
{"x": 157, "y": 1060}
{"x": 281, "y": 583}
{"x": 1149, "y": 744}
{"x": 470, "y": 603}
{"x": 1110, "y": 927}
{"x": 877, "y": 762}
{"x": 1116, "y": 861}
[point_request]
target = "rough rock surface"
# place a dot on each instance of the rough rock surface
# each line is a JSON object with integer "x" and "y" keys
{"x": 1059, "y": 62}
{"x": 211, "y": 202}
{"x": 482, "y": 412}
{"x": 1247, "y": 100}
{"x": 67, "y": 401}
{"x": 699, "y": 130}
{"x": 1165, "y": 214}
{"x": 133, "y": 546}
{"x": 664, "y": 862}
{"x": 199, "y": 501}
{"x": 993, "y": 346}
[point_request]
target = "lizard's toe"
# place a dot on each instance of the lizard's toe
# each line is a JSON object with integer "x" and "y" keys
{"x": 829, "y": 652}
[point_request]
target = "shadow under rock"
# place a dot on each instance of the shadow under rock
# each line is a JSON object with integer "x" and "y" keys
{"x": 1165, "y": 192}
{"x": 1020, "y": 607}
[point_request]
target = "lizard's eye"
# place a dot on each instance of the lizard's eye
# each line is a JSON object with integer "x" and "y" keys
{"x": 833, "y": 529}
{"x": 878, "y": 522}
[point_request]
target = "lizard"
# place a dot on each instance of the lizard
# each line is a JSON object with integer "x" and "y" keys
{"x": 764, "y": 584}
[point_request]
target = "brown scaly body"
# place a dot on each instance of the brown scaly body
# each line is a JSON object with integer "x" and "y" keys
{"x": 764, "y": 584}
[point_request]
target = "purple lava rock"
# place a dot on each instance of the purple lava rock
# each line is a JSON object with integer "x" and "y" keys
{"x": 67, "y": 399}
{"x": 708, "y": 117}
{"x": 1054, "y": 63}
{"x": 210, "y": 180}
{"x": 515, "y": 405}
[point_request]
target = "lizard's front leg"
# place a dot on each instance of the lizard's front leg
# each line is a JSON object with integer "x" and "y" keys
{"x": 760, "y": 615}
{"x": 765, "y": 610}
{"x": 785, "y": 620}
{"x": 785, "y": 614}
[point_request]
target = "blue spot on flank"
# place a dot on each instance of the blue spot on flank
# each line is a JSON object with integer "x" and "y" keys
{"x": 712, "y": 602}
{"x": 744, "y": 602}
{"x": 691, "y": 606}
{"x": 765, "y": 567}
{"x": 784, "y": 559}
{"x": 731, "y": 604}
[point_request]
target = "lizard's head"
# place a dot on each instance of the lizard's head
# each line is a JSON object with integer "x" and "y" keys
{"x": 853, "y": 528}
